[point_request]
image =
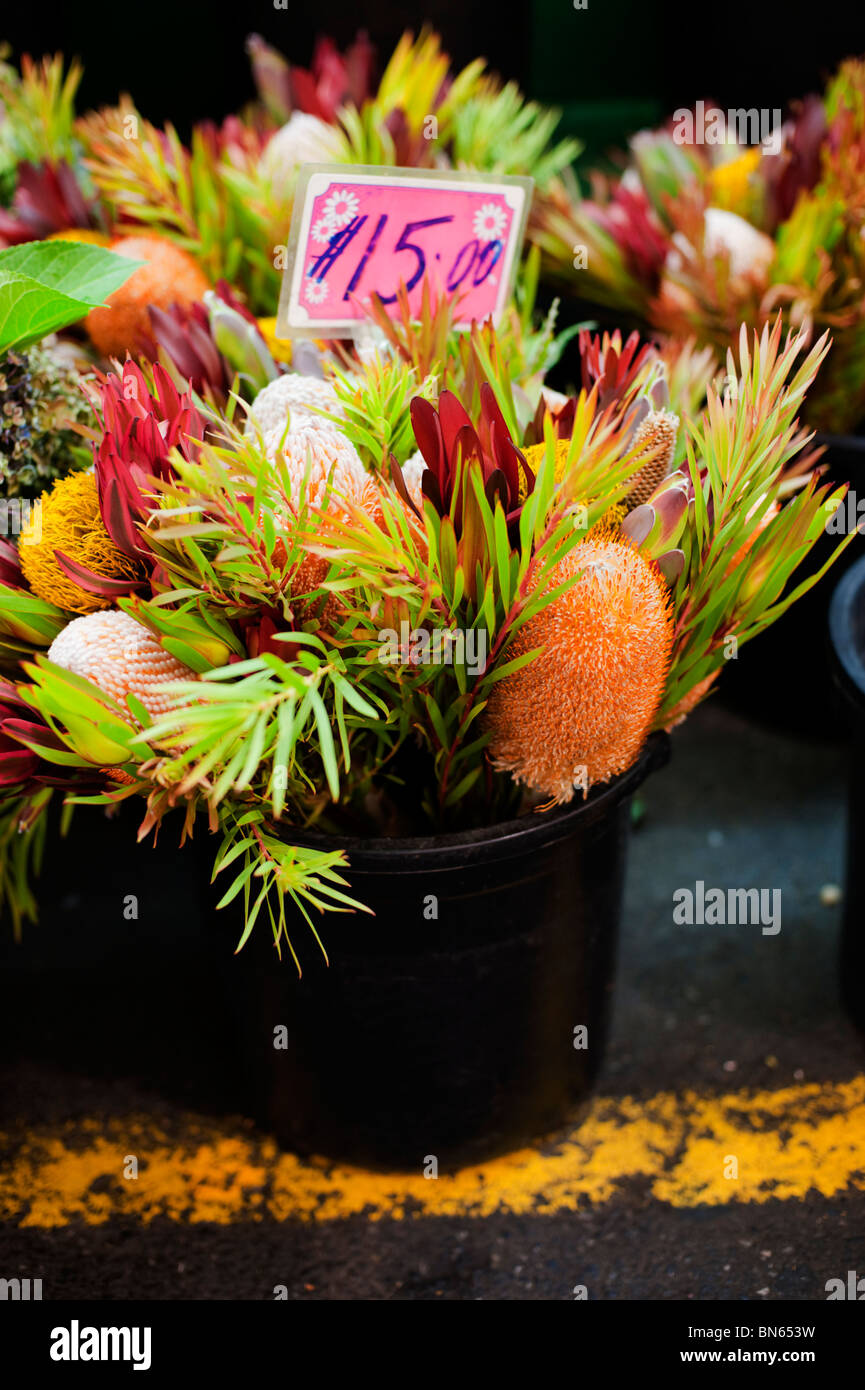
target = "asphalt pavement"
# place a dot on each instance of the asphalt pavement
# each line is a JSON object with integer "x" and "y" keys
{"x": 722, "y": 1158}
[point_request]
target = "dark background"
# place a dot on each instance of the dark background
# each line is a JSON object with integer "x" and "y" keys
{"x": 613, "y": 66}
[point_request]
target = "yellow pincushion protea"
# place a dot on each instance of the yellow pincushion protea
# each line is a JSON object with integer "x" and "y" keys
{"x": 609, "y": 523}
{"x": 534, "y": 457}
{"x": 121, "y": 656}
{"x": 68, "y": 519}
{"x": 731, "y": 181}
{"x": 279, "y": 348}
{"x": 580, "y": 711}
{"x": 85, "y": 235}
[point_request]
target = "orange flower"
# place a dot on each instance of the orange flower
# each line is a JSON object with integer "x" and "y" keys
{"x": 170, "y": 276}
{"x": 580, "y": 711}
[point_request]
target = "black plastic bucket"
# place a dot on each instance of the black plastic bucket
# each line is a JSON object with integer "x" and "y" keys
{"x": 121, "y": 980}
{"x": 782, "y": 679}
{"x": 847, "y": 637}
{"x": 445, "y": 1025}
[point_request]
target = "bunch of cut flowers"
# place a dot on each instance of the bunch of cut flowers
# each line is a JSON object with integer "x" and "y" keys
{"x": 203, "y": 221}
{"x": 701, "y": 232}
{"x": 406, "y": 590}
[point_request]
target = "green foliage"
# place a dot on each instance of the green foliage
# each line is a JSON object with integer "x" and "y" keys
{"x": 810, "y": 234}
{"x": 49, "y": 285}
{"x": 740, "y": 548}
{"x": 28, "y": 619}
{"x": 375, "y": 399}
{"x": 502, "y": 133}
{"x": 23, "y": 827}
{"x": 414, "y": 86}
{"x": 267, "y": 872}
{"x": 95, "y": 729}
{"x": 38, "y": 114}
{"x": 264, "y": 726}
{"x": 219, "y": 213}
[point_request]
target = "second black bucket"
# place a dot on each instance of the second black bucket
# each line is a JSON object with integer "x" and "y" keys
{"x": 847, "y": 636}
{"x": 449, "y": 1025}
{"x": 782, "y": 678}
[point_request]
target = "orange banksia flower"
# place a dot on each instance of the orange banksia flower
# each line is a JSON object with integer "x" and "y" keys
{"x": 170, "y": 276}
{"x": 580, "y": 711}
{"x": 121, "y": 656}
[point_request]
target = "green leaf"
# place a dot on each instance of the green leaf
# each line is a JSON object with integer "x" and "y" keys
{"x": 465, "y": 783}
{"x": 326, "y": 744}
{"x": 507, "y": 668}
{"x": 47, "y": 285}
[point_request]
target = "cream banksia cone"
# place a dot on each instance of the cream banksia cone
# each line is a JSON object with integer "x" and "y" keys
{"x": 299, "y": 397}
{"x": 121, "y": 656}
{"x": 323, "y": 466}
{"x": 657, "y": 434}
{"x": 580, "y": 711}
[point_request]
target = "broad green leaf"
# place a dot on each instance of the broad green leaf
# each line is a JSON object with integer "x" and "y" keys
{"x": 47, "y": 285}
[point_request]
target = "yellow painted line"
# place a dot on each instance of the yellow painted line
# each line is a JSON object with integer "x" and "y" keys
{"x": 687, "y": 1149}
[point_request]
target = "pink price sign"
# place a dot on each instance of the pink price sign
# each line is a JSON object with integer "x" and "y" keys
{"x": 359, "y": 230}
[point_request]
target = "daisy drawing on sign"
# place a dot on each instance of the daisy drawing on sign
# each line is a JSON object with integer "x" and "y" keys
{"x": 489, "y": 222}
{"x": 340, "y": 208}
{"x": 322, "y": 231}
{"x": 315, "y": 291}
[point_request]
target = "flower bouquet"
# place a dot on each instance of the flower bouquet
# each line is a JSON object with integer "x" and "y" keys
{"x": 207, "y": 220}
{"x": 703, "y": 231}
{"x": 390, "y": 624}
{"x": 222, "y": 202}
{"x": 412, "y": 604}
